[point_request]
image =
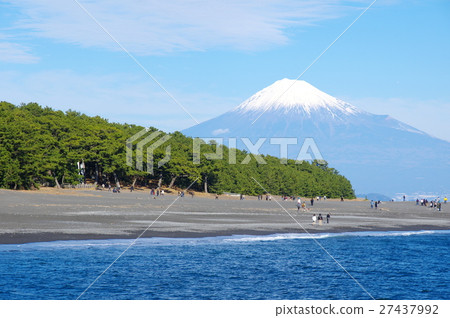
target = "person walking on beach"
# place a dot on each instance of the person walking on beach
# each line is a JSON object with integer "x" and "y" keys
{"x": 299, "y": 204}
{"x": 314, "y": 219}
{"x": 376, "y": 205}
{"x": 312, "y": 201}
{"x": 445, "y": 200}
{"x": 320, "y": 218}
{"x": 371, "y": 204}
{"x": 328, "y": 218}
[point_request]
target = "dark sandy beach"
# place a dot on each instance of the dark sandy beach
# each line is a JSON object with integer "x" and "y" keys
{"x": 51, "y": 215}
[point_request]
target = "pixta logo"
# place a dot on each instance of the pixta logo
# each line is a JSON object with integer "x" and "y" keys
{"x": 308, "y": 151}
{"x": 155, "y": 142}
{"x": 151, "y": 140}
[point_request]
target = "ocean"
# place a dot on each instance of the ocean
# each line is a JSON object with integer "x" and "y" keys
{"x": 382, "y": 265}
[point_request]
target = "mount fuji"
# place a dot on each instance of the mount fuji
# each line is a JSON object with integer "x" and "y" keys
{"x": 377, "y": 153}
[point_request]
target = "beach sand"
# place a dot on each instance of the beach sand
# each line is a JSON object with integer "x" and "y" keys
{"x": 52, "y": 215}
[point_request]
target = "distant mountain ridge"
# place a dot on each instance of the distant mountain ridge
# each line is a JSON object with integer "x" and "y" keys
{"x": 378, "y": 153}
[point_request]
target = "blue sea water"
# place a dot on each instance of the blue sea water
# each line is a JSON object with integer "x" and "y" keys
{"x": 388, "y": 265}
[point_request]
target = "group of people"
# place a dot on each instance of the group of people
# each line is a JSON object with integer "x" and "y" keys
{"x": 433, "y": 204}
{"x": 320, "y": 219}
{"x": 316, "y": 219}
{"x": 318, "y": 198}
{"x": 268, "y": 197}
{"x": 156, "y": 192}
{"x": 302, "y": 204}
{"x": 112, "y": 189}
{"x": 374, "y": 204}
{"x": 115, "y": 189}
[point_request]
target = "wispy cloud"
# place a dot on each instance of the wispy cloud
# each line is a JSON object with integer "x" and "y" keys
{"x": 157, "y": 27}
{"x": 16, "y": 53}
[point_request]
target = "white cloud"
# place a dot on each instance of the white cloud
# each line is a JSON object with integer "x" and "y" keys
{"x": 156, "y": 27}
{"x": 220, "y": 131}
{"x": 15, "y": 53}
{"x": 430, "y": 116}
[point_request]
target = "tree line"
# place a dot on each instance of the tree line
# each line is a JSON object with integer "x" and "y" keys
{"x": 41, "y": 146}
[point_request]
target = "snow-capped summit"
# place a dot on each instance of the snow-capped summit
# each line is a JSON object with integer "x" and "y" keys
{"x": 288, "y": 95}
{"x": 376, "y": 152}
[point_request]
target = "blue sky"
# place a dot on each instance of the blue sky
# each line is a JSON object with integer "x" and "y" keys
{"x": 212, "y": 55}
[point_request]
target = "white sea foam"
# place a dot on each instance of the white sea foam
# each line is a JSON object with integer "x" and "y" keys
{"x": 276, "y": 237}
{"x": 124, "y": 243}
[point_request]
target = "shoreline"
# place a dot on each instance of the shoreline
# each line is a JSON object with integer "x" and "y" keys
{"x": 18, "y": 239}
{"x": 66, "y": 215}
